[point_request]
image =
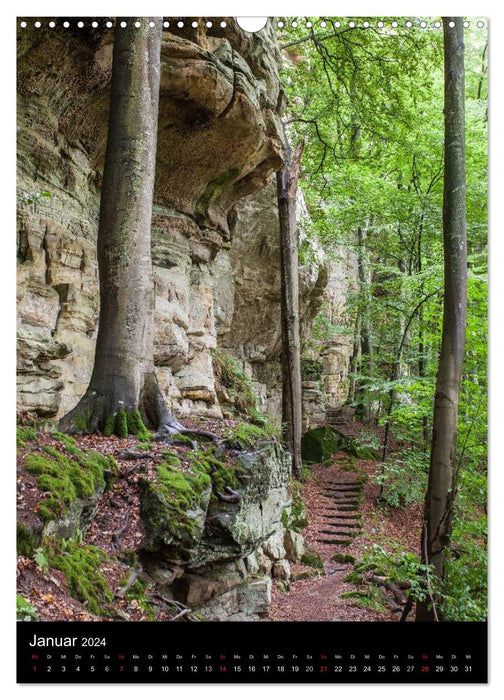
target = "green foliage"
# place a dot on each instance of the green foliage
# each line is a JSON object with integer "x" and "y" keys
{"x": 41, "y": 560}
{"x": 464, "y": 591}
{"x": 404, "y": 479}
{"x": 34, "y": 197}
{"x": 239, "y": 387}
{"x": 311, "y": 370}
{"x": 397, "y": 566}
{"x": 24, "y": 611}
{"x": 81, "y": 565}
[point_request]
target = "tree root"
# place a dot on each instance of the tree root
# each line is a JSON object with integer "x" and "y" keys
{"x": 230, "y": 496}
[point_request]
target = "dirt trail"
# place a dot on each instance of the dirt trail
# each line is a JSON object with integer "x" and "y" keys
{"x": 343, "y": 517}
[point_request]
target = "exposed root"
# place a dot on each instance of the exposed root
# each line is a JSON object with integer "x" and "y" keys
{"x": 231, "y": 496}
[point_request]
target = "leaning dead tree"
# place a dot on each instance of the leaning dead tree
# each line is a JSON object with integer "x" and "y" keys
{"x": 287, "y": 180}
{"x": 439, "y": 499}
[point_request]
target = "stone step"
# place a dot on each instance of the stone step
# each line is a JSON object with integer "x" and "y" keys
{"x": 343, "y": 533}
{"x": 341, "y": 516}
{"x": 341, "y": 542}
{"x": 344, "y": 523}
{"x": 342, "y": 487}
{"x": 341, "y": 482}
{"x": 347, "y": 508}
{"x": 344, "y": 502}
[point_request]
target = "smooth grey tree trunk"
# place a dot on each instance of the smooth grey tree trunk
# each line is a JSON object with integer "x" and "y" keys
{"x": 367, "y": 351}
{"x": 287, "y": 179}
{"x": 439, "y": 498}
{"x": 123, "y": 375}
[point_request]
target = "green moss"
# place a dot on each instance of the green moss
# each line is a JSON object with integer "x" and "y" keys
{"x": 109, "y": 426}
{"x": 136, "y": 426}
{"x": 81, "y": 565}
{"x": 65, "y": 478}
{"x": 24, "y": 611}
{"x": 168, "y": 505}
{"x": 146, "y": 446}
{"x": 295, "y": 518}
{"x": 137, "y": 593}
{"x": 121, "y": 424}
{"x": 170, "y": 458}
{"x": 312, "y": 558}
{"x": 81, "y": 422}
{"x": 319, "y": 444}
{"x": 26, "y": 540}
{"x": 24, "y": 435}
{"x": 182, "y": 438}
{"x": 246, "y": 436}
{"x": 239, "y": 387}
{"x": 371, "y": 600}
{"x": 343, "y": 558}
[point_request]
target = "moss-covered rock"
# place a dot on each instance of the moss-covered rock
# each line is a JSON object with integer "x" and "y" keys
{"x": 173, "y": 508}
{"x": 246, "y": 436}
{"x": 73, "y": 480}
{"x": 319, "y": 444}
{"x": 294, "y": 517}
{"x": 312, "y": 558}
{"x": 343, "y": 558}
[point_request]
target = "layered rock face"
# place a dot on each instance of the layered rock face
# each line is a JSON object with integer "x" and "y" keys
{"x": 247, "y": 294}
{"x": 218, "y": 141}
{"x": 221, "y": 563}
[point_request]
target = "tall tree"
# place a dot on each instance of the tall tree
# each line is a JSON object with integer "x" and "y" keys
{"x": 439, "y": 499}
{"x": 123, "y": 376}
{"x": 287, "y": 179}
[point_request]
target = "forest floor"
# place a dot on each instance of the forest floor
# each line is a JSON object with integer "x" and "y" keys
{"x": 319, "y": 597}
{"x": 117, "y": 532}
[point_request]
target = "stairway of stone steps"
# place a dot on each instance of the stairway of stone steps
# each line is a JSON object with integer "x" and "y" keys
{"x": 340, "y": 504}
{"x": 340, "y": 416}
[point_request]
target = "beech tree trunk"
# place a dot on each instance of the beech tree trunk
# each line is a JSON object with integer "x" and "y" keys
{"x": 439, "y": 498}
{"x": 287, "y": 179}
{"x": 123, "y": 375}
{"x": 367, "y": 352}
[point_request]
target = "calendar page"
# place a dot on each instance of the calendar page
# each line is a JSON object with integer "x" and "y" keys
{"x": 251, "y": 349}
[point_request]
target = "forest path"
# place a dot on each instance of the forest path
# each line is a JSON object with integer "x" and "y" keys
{"x": 343, "y": 519}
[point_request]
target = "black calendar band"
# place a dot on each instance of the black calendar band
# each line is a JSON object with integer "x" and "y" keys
{"x": 270, "y": 652}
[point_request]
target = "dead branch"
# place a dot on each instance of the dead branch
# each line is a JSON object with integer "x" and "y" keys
{"x": 129, "y": 583}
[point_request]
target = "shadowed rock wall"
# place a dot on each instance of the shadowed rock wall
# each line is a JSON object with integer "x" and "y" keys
{"x": 218, "y": 141}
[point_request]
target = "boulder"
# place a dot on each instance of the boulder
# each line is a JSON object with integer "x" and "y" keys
{"x": 295, "y": 546}
{"x": 319, "y": 444}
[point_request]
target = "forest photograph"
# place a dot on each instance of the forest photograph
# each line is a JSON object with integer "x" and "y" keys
{"x": 252, "y": 319}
